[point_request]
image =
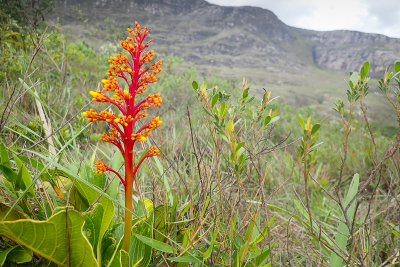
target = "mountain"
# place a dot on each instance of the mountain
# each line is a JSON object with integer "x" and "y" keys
{"x": 304, "y": 67}
{"x": 246, "y": 37}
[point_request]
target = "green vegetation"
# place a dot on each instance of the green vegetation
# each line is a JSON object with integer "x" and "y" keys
{"x": 243, "y": 178}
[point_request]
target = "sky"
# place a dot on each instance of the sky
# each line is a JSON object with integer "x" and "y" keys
{"x": 372, "y": 16}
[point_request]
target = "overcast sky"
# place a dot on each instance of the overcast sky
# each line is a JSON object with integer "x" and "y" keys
{"x": 373, "y": 16}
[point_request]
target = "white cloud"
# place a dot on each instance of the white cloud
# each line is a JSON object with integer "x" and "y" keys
{"x": 361, "y": 15}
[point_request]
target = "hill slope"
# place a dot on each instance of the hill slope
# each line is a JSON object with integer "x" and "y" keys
{"x": 304, "y": 67}
{"x": 205, "y": 33}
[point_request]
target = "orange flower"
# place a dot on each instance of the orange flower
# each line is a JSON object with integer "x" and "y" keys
{"x": 136, "y": 70}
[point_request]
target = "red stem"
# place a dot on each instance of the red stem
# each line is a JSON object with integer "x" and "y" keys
{"x": 119, "y": 176}
{"x": 128, "y": 194}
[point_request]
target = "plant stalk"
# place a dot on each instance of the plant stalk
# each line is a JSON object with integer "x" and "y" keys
{"x": 128, "y": 199}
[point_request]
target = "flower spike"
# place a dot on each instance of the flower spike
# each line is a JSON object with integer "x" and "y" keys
{"x": 136, "y": 70}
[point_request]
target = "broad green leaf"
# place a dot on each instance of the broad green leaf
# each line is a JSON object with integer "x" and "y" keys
{"x": 238, "y": 146}
{"x": 93, "y": 224}
{"x": 195, "y": 85}
{"x": 114, "y": 260}
{"x": 160, "y": 217}
{"x": 4, "y": 158}
{"x": 315, "y": 128}
{"x": 91, "y": 196}
{"x": 12, "y": 216}
{"x": 87, "y": 173}
{"x": 245, "y": 92}
{"x": 49, "y": 238}
{"x": 214, "y": 100}
{"x": 267, "y": 120}
{"x": 4, "y": 254}
{"x": 20, "y": 255}
{"x": 364, "y": 70}
{"x": 24, "y": 179}
{"x": 148, "y": 205}
{"x": 9, "y": 174}
{"x": 343, "y": 232}
{"x": 139, "y": 252}
{"x": 301, "y": 122}
{"x": 124, "y": 258}
{"x": 397, "y": 67}
{"x": 157, "y": 245}
{"x": 108, "y": 247}
{"x": 37, "y": 165}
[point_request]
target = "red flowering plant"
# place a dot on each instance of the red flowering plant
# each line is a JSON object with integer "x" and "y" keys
{"x": 137, "y": 72}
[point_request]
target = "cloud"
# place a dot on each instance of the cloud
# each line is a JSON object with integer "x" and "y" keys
{"x": 361, "y": 15}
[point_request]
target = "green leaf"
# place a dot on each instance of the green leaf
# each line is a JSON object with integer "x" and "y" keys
{"x": 245, "y": 93}
{"x": 397, "y": 67}
{"x": 195, "y": 85}
{"x": 267, "y": 120}
{"x": 247, "y": 239}
{"x": 262, "y": 256}
{"x": 12, "y": 216}
{"x": 93, "y": 224}
{"x": 315, "y": 128}
{"x": 185, "y": 259}
{"x": 230, "y": 126}
{"x": 157, "y": 245}
{"x": 222, "y": 111}
{"x": 214, "y": 100}
{"x": 114, "y": 260}
{"x": 20, "y": 255}
{"x": 9, "y": 174}
{"x": 301, "y": 123}
{"x": 364, "y": 70}
{"x": 48, "y": 238}
{"x": 343, "y": 232}
{"x": 139, "y": 252}
{"x": 46, "y": 175}
{"x": 260, "y": 236}
{"x": 24, "y": 179}
{"x": 91, "y": 195}
{"x": 305, "y": 222}
{"x": 4, "y": 158}
{"x": 124, "y": 258}
{"x": 15, "y": 254}
{"x": 240, "y": 145}
{"x": 208, "y": 252}
{"x": 3, "y": 255}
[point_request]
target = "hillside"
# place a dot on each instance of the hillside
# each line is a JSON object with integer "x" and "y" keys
{"x": 205, "y": 33}
{"x": 237, "y": 42}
